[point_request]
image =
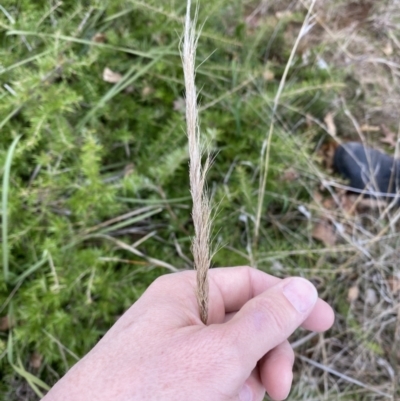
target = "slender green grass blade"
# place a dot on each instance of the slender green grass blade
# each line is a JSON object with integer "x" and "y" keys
{"x": 31, "y": 270}
{"x": 130, "y": 221}
{"x": 148, "y": 55}
{"x": 10, "y": 348}
{"x": 33, "y": 381}
{"x": 154, "y": 201}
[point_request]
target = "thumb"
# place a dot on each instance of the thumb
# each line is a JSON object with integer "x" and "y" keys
{"x": 269, "y": 319}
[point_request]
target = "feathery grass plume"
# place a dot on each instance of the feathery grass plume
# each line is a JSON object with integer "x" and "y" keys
{"x": 201, "y": 204}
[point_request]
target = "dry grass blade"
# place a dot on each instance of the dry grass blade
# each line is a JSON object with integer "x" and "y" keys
{"x": 265, "y": 151}
{"x": 132, "y": 249}
{"x": 6, "y": 185}
{"x": 197, "y": 172}
{"x": 344, "y": 377}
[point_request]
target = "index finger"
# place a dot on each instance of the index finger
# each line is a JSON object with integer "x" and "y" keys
{"x": 237, "y": 285}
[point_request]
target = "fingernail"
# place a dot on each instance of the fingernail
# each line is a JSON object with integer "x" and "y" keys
{"x": 246, "y": 394}
{"x": 301, "y": 294}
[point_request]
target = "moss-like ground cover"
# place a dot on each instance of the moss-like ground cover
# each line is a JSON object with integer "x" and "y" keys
{"x": 95, "y": 184}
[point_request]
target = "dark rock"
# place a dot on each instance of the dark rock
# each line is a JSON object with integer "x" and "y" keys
{"x": 369, "y": 171}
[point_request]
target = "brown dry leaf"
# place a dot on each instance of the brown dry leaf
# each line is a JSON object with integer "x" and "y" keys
{"x": 353, "y": 293}
{"x": 355, "y": 12}
{"x": 369, "y": 204}
{"x": 329, "y": 204}
{"x": 388, "y": 49}
{"x": 389, "y": 136}
{"x": 99, "y": 38}
{"x": 317, "y": 196}
{"x": 111, "y": 76}
{"x": 129, "y": 169}
{"x": 5, "y": 324}
{"x": 268, "y": 75}
{"x": 147, "y": 90}
{"x": 354, "y": 204}
{"x": 290, "y": 175}
{"x": 348, "y": 202}
{"x": 394, "y": 284}
{"x": 330, "y": 125}
{"x": 369, "y": 128}
{"x": 325, "y": 233}
{"x": 309, "y": 120}
{"x": 327, "y": 153}
{"x": 36, "y": 360}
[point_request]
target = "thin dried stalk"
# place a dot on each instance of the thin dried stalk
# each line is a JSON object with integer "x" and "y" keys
{"x": 266, "y": 147}
{"x": 201, "y": 204}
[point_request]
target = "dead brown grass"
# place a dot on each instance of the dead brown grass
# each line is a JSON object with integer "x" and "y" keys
{"x": 361, "y": 38}
{"x": 359, "y": 359}
{"x": 360, "y": 356}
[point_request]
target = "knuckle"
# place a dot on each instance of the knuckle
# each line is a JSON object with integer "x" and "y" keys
{"x": 270, "y": 314}
{"x": 168, "y": 281}
{"x": 159, "y": 283}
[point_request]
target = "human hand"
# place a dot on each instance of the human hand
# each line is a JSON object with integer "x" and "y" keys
{"x": 160, "y": 350}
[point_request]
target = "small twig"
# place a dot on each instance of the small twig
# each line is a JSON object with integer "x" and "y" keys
{"x": 201, "y": 204}
{"x": 132, "y": 249}
{"x": 343, "y": 376}
{"x": 303, "y": 340}
{"x": 171, "y": 212}
{"x": 61, "y": 346}
{"x": 118, "y": 219}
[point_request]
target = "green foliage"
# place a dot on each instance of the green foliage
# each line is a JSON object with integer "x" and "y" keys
{"x": 91, "y": 151}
